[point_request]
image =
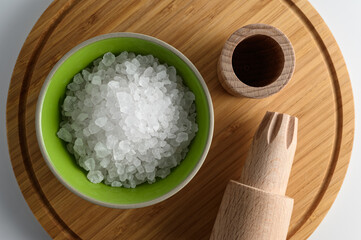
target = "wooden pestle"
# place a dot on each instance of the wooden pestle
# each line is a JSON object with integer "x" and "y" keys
{"x": 256, "y": 208}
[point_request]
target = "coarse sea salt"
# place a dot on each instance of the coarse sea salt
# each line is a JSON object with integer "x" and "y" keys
{"x": 128, "y": 119}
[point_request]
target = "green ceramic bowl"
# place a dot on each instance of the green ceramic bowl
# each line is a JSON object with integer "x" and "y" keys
{"x": 63, "y": 164}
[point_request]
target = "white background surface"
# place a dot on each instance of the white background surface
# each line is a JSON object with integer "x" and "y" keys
{"x": 16, "y": 20}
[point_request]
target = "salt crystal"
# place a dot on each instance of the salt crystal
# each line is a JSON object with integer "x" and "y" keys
{"x": 151, "y": 177}
{"x": 130, "y": 117}
{"x": 122, "y": 178}
{"x": 78, "y": 142}
{"x": 108, "y": 59}
{"x": 111, "y": 141}
{"x": 137, "y": 162}
{"x": 130, "y": 68}
{"x": 140, "y": 176}
{"x": 132, "y": 184}
{"x": 78, "y": 79}
{"x": 143, "y": 81}
{"x": 69, "y": 147}
{"x": 95, "y": 176}
{"x": 89, "y": 164}
{"x": 81, "y": 117}
{"x": 161, "y": 75}
{"x": 140, "y": 169}
{"x": 86, "y": 132}
{"x": 65, "y": 135}
{"x": 97, "y": 80}
{"x": 121, "y": 170}
{"x": 113, "y": 84}
{"x": 118, "y": 154}
{"x": 116, "y": 184}
{"x": 182, "y": 137}
{"x": 122, "y": 57}
{"x": 124, "y": 147}
{"x": 68, "y": 103}
{"x": 148, "y": 72}
{"x": 162, "y": 173}
{"x": 149, "y": 168}
{"x": 112, "y": 172}
{"x": 93, "y": 129}
{"x": 101, "y": 150}
{"x": 85, "y": 74}
{"x": 131, "y": 169}
{"x": 105, "y": 162}
{"x": 100, "y": 122}
{"x": 73, "y": 86}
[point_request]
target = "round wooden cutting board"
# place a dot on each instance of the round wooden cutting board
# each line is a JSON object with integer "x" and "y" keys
{"x": 319, "y": 94}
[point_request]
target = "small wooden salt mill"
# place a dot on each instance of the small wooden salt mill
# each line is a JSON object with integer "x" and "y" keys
{"x": 256, "y": 61}
{"x": 255, "y": 207}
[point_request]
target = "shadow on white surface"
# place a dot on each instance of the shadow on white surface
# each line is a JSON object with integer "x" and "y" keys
{"x": 16, "y": 20}
{"x": 343, "y": 220}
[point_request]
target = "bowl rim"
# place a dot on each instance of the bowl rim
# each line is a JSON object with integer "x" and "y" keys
{"x": 39, "y": 107}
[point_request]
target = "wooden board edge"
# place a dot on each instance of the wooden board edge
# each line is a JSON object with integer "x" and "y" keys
{"x": 42, "y": 210}
{"x": 340, "y": 166}
{"x": 314, "y": 22}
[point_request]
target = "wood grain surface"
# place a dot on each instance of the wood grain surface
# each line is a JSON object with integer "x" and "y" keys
{"x": 319, "y": 95}
{"x": 270, "y": 156}
{"x": 255, "y": 207}
{"x": 248, "y": 213}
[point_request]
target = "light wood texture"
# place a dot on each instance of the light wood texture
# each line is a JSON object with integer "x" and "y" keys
{"x": 256, "y": 208}
{"x": 256, "y": 61}
{"x": 269, "y": 161}
{"x": 319, "y": 95}
{"x": 248, "y": 213}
